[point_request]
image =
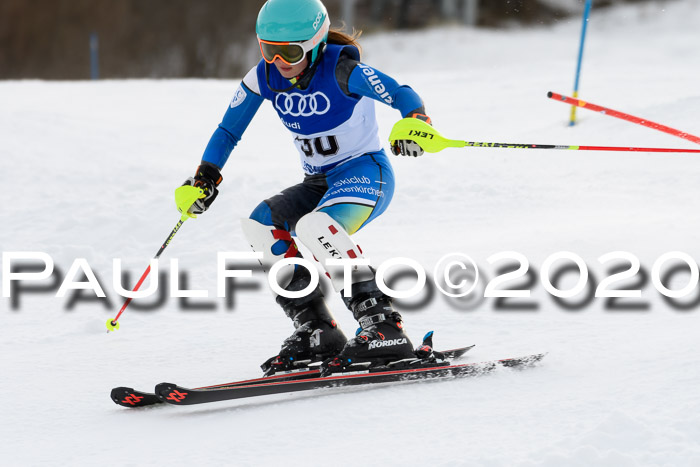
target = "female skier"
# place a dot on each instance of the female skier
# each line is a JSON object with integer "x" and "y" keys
{"x": 325, "y": 96}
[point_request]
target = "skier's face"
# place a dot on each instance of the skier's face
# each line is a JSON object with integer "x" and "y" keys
{"x": 290, "y": 71}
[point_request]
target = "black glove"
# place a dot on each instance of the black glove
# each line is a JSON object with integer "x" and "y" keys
{"x": 207, "y": 178}
{"x": 407, "y": 147}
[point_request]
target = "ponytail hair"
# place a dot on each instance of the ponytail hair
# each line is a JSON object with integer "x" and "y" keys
{"x": 337, "y": 36}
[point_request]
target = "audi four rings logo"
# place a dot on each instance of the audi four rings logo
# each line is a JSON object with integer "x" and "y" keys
{"x": 300, "y": 105}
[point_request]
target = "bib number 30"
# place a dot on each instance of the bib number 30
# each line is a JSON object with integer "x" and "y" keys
{"x": 323, "y": 145}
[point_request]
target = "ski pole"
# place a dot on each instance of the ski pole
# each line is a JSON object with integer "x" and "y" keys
{"x": 183, "y": 197}
{"x": 112, "y": 324}
{"x": 623, "y": 116}
{"x": 586, "y": 13}
{"x": 432, "y": 141}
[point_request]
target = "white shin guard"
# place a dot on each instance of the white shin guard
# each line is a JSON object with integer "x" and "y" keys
{"x": 328, "y": 240}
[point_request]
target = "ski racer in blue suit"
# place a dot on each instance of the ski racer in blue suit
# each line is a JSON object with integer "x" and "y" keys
{"x": 325, "y": 96}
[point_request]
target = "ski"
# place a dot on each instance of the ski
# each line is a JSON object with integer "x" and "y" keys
{"x": 129, "y": 397}
{"x": 179, "y": 395}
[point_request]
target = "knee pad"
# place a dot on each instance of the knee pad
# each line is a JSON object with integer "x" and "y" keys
{"x": 274, "y": 244}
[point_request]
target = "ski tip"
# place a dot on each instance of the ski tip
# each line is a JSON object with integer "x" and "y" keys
{"x": 164, "y": 387}
{"x": 120, "y": 390}
{"x": 171, "y": 393}
{"x": 131, "y": 398}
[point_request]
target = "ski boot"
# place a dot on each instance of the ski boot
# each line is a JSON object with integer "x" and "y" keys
{"x": 315, "y": 338}
{"x": 380, "y": 338}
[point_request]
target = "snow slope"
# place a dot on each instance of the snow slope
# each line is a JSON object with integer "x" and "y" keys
{"x": 90, "y": 169}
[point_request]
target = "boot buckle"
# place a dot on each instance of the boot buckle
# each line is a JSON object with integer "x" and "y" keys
{"x": 367, "y": 321}
{"x": 365, "y": 305}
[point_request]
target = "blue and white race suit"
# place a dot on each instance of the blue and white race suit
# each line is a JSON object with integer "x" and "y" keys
{"x": 334, "y": 128}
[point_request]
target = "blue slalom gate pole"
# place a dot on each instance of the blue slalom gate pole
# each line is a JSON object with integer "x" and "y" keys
{"x": 586, "y": 13}
{"x": 94, "y": 56}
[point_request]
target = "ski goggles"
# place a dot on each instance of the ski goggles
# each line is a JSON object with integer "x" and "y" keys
{"x": 292, "y": 53}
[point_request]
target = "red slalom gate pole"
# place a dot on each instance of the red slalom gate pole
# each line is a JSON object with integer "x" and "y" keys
{"x": 615, "y": 148}
{"x": 630, "y": 118}
{"x": 474, "y": 144}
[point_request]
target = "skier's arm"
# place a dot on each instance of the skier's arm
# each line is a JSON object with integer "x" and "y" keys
{"x": 358, "y": 79}
{"x": 245, "y": 103}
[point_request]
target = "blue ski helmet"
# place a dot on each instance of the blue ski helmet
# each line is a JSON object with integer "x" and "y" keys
{"x": 294, "y": 21}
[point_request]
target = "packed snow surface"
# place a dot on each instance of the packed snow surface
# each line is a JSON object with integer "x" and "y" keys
{"x": 89, "y": 168}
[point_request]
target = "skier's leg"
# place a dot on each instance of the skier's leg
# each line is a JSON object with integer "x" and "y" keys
{"x": 268, "y": 230}
{"x": 359, "y": 191}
